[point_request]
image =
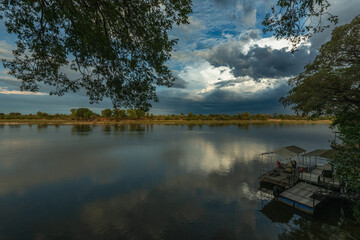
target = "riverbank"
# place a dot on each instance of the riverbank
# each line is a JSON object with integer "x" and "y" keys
{"x": 159, "y": 122}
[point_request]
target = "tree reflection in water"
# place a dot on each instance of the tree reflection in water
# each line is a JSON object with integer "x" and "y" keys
{"x": 81, "y": 129}
{"x": 332, "y": 221}
{"x": 150, "y": 182}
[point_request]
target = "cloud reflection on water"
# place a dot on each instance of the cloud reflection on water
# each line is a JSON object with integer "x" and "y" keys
{"x": 142, "y": 182}
{"x": 32, "y": 160}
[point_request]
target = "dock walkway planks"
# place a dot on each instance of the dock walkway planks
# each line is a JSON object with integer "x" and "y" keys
{"x": 279, "y": 177}
{"x": 302, "y": 196}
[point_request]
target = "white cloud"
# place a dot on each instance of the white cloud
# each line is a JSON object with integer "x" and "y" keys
{"x": 204, "y": 79}
{"x": 202, "y": 74}
{"x": 271, "y": 42}
{"x": 4, "y": 90}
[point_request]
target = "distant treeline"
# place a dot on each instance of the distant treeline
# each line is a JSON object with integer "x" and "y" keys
{"x": 138, "y": 114}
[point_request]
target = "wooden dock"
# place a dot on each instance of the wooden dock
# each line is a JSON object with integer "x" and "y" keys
{"x": 280, "y": 177}
{"x": 315, "y": 177}
{"x": 303, "y": 196}
{"x": 306, "y": 185}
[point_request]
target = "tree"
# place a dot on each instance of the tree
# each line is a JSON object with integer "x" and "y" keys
{"x": 106, "y": 113}
{"x": 244, "y": 116}
{"x": 119, "y": 114}
{"x": 131, "y": 113}
{"x": 14, "y": 115}
{"x": 331, "y": 85}
{"x": 82, "y": 113}
{"x": 116, "y": 49}
{"x": 347, "y": 160}
{"x": 42, "y": 115}
{"x": 140, "y": 113}
{"x": 296, "y": 20}
{"x": 190, "y": 116}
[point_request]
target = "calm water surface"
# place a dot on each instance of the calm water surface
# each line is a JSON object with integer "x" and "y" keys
{"x": 153, "y": 182}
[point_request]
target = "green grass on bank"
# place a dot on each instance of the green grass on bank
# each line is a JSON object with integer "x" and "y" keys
{"x": 161, "y": 122}
{"x": 138, "y": 116}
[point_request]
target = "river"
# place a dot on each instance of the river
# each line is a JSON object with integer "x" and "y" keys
{"x": 153, "y": 182}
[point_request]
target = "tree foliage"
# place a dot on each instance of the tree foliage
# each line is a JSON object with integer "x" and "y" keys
{"x": 131, "y": 113}
{"x": 294, "y": 19}
{"x": 331, "y": 83}
{"x": 110, "y": 48}
{"x": 82, "y": 113}
{"x": 119, "y": 114}
{"x": 128, "y": 114}
{"x": 106, "y": 113}
{"x": 347, "y": 161}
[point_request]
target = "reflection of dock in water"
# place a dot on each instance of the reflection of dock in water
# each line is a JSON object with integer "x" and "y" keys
{"x": 277, "y": 212}
{"x": 304, "y": 186}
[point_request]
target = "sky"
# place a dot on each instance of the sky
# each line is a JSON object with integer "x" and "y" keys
{"x": 223, "y": 63}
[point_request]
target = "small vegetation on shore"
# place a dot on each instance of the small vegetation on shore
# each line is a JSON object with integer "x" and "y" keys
{"x": 116, "y": 115}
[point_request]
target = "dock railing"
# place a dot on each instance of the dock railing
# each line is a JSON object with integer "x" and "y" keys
{"x": 309, "y": 169}
{"x": 311, "y": 179}
{"x": 320, "y": 180}
{"x": 322, "y": 192}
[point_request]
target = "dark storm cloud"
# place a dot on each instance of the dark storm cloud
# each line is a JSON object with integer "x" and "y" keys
{"x": 228, "y": 83}
{"x": 51, "y": 104}
{"x": 345, "y": 12}
{"x": 263, "y": 62}
{"x": 9, "y": 82}
{"x": 232, "y": 107}
{"x": 225, "y": 102}
{"x": 220, "y": 95}
{"x": 179, "y": 83}
{"x": 260, "y": 62}
{"x": 248, "y": 35}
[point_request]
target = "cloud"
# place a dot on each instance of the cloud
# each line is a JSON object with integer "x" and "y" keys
{"x": 23, "y": 173}
{"x": 179, "y": 81}
{"x": 9, "y": 82}
{"x": 215, "y": 89}
{"x": 222, "y": 63}
{"x": 45, "y": 103}
{"x": 229, "y": 83}
{"x": 195, "y": 26}
{"x": 272, "y": 60}
{"x": 239, "y": 10}
{"x": 345, "y": 12}
{"x": 4, "y": 90}
{"x": 223, "y": 102}
{"x": 6, "y": 50}
{"x": 243, "y": 90}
